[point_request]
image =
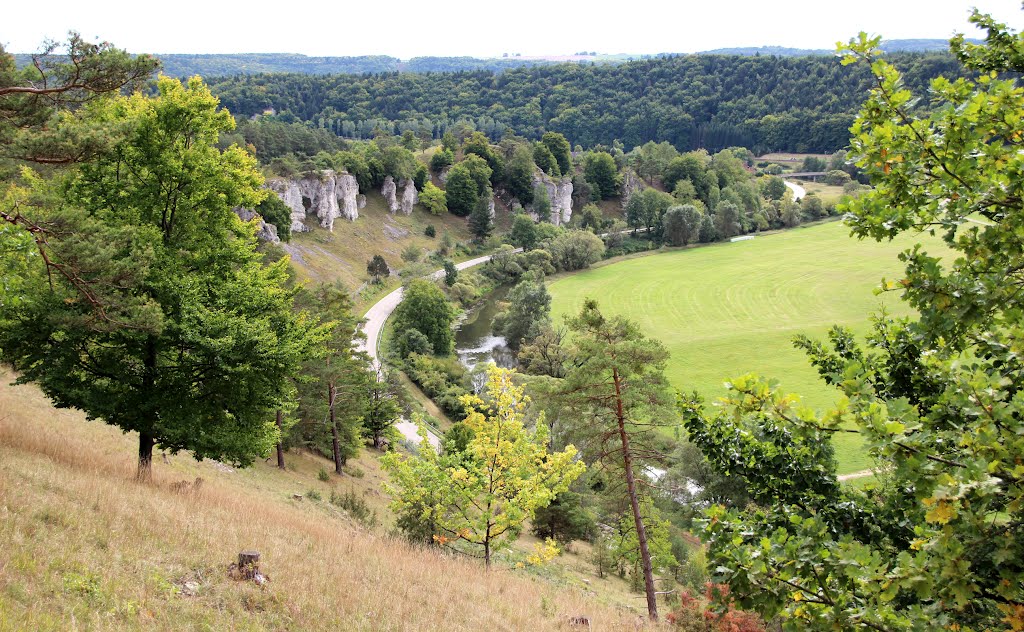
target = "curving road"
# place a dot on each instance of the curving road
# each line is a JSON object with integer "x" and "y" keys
{"x": 373, "y": 325}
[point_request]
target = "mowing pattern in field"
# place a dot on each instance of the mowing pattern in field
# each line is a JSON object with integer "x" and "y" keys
{"x": 733, "y": 308}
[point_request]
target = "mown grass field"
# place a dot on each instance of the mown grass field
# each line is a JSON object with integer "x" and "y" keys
{"x": 732, "y": 308}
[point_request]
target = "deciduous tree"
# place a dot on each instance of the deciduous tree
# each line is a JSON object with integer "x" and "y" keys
{"x": 936, "y": 398}
{"x": 204, "y": 343}
{"x": 481, "y": 497}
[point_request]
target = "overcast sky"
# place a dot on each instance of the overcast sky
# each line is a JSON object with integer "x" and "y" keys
{"x": 405, "y": 29}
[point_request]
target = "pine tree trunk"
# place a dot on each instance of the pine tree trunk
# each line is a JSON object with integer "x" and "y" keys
{"x": 280, "y": 447}
{"x": 334, "y": 431}
{"x": 641, "y": 532}
{"x": 145, "y": 471}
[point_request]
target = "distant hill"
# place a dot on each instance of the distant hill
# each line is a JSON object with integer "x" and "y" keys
{"x": 889, "y": 46}
{"x": 215, "y": 65}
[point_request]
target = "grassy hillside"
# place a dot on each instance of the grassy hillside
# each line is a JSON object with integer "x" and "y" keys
{"x": 732, "y": 308}
{"x": 342, "y": 255}
{"x": 86, "y": 548}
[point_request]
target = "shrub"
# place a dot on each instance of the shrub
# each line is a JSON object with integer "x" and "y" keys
{"x": 430, "y": 231}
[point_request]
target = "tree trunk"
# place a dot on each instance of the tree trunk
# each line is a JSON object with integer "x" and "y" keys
{"x": 334, "y": 430}
{"x": 641, "y": 532}
{"x": 280, "y": 447}
{"x": 145, "y": 471}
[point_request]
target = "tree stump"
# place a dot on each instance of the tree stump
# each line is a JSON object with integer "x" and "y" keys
{"x": 248, "y": 563}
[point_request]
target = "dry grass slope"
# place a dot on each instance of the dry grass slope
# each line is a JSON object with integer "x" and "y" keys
{"x": 83, "y": 547}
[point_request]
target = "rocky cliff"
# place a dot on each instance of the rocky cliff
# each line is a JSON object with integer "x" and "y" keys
{"x": 265, "y": 232}
{"x": 409, "y": 196}
{"x": 390, "y": 193}
{"x": 631, "y": 184}
{"x": 560, "y": 194}
{"x": 327, "y": 195}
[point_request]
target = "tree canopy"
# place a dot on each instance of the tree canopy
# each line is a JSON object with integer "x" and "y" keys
{"x": 938, "y": 541}
{"x": 162, "y": 318}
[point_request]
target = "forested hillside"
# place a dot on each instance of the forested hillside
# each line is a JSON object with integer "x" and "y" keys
{"x": 713, "y": 101}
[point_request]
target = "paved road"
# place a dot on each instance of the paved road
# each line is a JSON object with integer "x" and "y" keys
{"x": 798, "y": 191}
{"x": 375, "y": 318}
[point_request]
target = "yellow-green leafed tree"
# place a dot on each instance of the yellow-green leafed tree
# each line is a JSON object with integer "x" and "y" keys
{"x": 482, "y": 495}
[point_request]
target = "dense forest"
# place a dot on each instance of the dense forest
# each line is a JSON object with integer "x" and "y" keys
{"x": 766, "y": 103}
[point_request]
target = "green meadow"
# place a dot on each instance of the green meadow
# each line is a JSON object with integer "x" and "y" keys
{"x": 732, "y": 308}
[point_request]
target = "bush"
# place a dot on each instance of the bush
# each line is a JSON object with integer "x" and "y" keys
{"x": 355, "y": 507}
{"x": 323, "y": 475}
{"x": 430, "y": 231}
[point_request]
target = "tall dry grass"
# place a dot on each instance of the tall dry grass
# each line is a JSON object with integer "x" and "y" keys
{"x": 84, "y": 547}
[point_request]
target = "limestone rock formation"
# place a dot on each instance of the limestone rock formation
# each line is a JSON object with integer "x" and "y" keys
{"x": 389, "y": 191}
{"x": 490, "y": 207}
{"x": 266, "y": 232}
{"x": 361, "y": 201}
{"x": 560, "y": 195}
{"x": 327, "y": 195}
{"x": 409, "y": 196}
{"x": 631, "y": 183}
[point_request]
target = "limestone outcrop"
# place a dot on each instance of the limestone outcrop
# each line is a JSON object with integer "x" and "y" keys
{"x": 327, "y": 195}
{"x": 560, "y": 195}
{"x": 631, "y": 184}
{"x": 390, "y": 193}
{"x": 409, "y": 196}
{"x": 265, "y": 232}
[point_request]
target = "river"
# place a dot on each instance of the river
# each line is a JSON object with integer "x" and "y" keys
{"x": 474, "y": 342}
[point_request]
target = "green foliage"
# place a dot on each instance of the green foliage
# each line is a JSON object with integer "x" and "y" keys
{"x": 425, "y": 308}
{"x": 626, "y": 546}
{"x": 545, "y": 161}
{"x": 451, "y": 273}
{"x": 936, "y": 398}
{"x": 575, "y": 250}
{"x": 163, "y": 321}
{"x": 430, "y": 231}
{"x": 681, "y": 225}
{"x": 433, "y": 199}
{"x": 524, "y": 232}
{"x": 382, "y": 412}
{"x": 688, "y": 101}
{"x": 558, "y": 146}
{"x": 332, "y": 391}
{"x": 441, "y": 159}
{"x": 529, "y": 309}
{"x": 274, "y": 211}
{"x": 600, "y": 171}
{"x": 409, "y": 342}
{"x": 564, "y": 520}
{"x": 646, "y": 209}
{"x": 482, "y": 496}
{"x": 378, "y": 268}
{"x": 591, "y": 218}
{"x": 412, "y": 253}
{"x": 480, "y": 222}
{"x": 461, "y": 191}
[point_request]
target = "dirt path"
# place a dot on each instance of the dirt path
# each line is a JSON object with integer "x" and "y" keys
{"x": 853, "y": 475}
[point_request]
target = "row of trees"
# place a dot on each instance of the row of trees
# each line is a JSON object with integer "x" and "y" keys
{"x": 711, "y": 101}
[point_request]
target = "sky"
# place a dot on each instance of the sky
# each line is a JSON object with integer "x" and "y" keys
{"x": 404, "y": 29}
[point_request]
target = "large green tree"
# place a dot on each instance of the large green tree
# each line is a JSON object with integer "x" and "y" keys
{"x": 937, "y": 398}
{"x": 333, "y": 392}
{"x": 425, "y": 308}
{"x": 164, "y": 321}
{"x": 616, "y": 392}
